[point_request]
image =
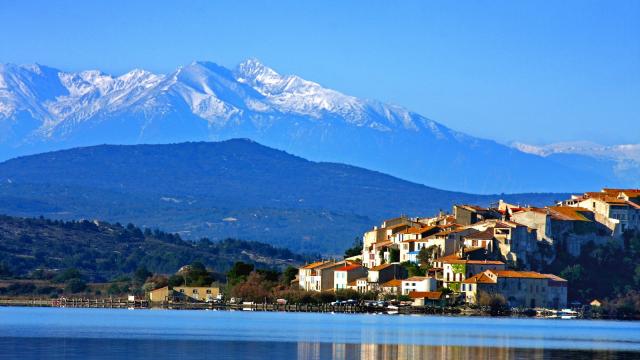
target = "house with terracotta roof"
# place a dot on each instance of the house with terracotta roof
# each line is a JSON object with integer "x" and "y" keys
{"x": 392, "y": 287}
{"x": 428, "y": 298}
{"x": 471, "y": 214}
{"x": 380, "y": 274}
{"x": 571, "y": 226}
{"x": 618, "y": 209}
{"x": 525, "y": 289}
{"x": 318, "y": 276}
{"x": 346, "y": 276}
{"x": 380, "y": 238}
{"x": 418, "y": 283}
{"x": 511, "y": 240}
{"x": 444, "y": 242}
{"x": 480, "y": 238}
{"x": 455, "y": 270}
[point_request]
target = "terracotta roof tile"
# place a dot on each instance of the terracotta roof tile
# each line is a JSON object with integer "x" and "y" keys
{"x": 393, "y": 283}
{"x": 314, "y": 265}
{"x": 519, "y": 274}
{"x": 431, "y": 295}
{"x": 380, "y": 267}
{"x": 481, "y": 278}
{"x": 350, "y": 267}
{"x": 569, "y": 213}
{"x": 481, "y": 235}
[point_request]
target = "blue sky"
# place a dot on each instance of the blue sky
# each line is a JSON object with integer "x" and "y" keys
{"x": 532, "y": 71}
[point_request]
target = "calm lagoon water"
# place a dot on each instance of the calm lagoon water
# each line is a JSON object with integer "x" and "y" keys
{"x": 60, "y": 333}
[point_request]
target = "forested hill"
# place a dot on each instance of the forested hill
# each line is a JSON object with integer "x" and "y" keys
{"x": 236, "y": 188}
{"x": 103, "y": 251}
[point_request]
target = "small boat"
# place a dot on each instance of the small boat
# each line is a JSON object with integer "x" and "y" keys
{"x": 567, "y": 312}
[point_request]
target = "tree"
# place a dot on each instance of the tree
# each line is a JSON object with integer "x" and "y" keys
{"x": 155, "y": 282}
{"x": 197, "y": 274}
{"x": 423, "y": 256}
{"x": 413, "y": 269}
{"x": 4, "y": 270}
{"x": 494, "y": 302}
{"x": 355, "y": 249}
{"x": 325, "y": 297}
{"x": 347, "y": 294}
{"x": 68, "y": 274}
{"x": 255, "y": 288}
{"x": 75, "y": 286}
{"x": 239, "y": 272}
{"x": 141, "y": 275}
{"x": 114, "y": 289}
{"x": 394, "y": 255}
{"x": 175, "y": 280}
{"x": 289, "y": 274}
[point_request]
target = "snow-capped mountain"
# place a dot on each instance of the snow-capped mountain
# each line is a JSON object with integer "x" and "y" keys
{"x": 43, "y": 109}
{"x": 621, "y": 160}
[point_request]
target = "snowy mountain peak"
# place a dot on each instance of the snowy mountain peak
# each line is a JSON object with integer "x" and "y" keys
{"x": 252, "y": 71}
{"x": 43, "y": 108}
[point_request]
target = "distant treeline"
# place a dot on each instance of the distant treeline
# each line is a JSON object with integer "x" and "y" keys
{"x": 104, "y": 251}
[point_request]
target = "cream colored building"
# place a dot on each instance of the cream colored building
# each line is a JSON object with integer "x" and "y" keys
{"x": 185, "y": 293}
{"x": 527, "y": 289}
{"x": 343, "y": 277}
{"x": 418, "y": 283}
{"x": 318, "y": 276}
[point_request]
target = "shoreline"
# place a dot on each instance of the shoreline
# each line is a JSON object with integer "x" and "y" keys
{"x": 303, "y": 308}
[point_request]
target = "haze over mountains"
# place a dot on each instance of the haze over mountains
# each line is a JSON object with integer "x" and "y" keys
{"x": 44, "y": 109}
{"x": 235, "y": 188}
{"x": 621, "y": 160}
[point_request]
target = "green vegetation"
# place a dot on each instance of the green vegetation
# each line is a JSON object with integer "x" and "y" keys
{"x": 413, "y": 269}
{"x": 354, "y": 250}
{"x": 494, "y": 303}
{"x": 220, "y": 190}
{"x": 59, "y": 251}
{"x": 608, "y": 272}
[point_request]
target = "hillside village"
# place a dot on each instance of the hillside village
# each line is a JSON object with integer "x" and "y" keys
{"x": 477, "y": 252}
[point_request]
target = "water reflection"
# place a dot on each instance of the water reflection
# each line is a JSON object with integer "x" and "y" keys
{"x": 75, "y": 348}
{"x": 318, "y": 351}
{"x": 108, "y": 334}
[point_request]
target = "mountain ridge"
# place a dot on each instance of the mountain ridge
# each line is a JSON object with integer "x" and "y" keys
{"x": 44, "y": 109}
{"x": 234, "y": 188}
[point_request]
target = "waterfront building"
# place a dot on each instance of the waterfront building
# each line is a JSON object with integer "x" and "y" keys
{"x": 318, "y": 276}
{"x": 528, "y": 289}
{"x": 345, "y": 276}
{"x": 185, "y": 293}
{"x": 418, "y": 283}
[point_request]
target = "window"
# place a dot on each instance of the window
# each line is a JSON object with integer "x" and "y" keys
{"x": 182, "y": 291}
{"x": 195, "y": 291}
{"x": 208, "y": 291}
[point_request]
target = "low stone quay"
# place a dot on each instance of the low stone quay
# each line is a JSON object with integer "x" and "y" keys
{"x": 119, "y": 303}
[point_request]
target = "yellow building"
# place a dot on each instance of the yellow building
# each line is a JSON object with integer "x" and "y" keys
{"x": 182, "y": 293}
{"x": 159, "y": 295}
{"x": 198, "y": 293}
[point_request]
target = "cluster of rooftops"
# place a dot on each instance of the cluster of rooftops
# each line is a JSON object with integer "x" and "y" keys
{"x": 474, "y": 245}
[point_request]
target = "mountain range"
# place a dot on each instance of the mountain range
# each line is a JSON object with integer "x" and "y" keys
{"x": 623, "y": 161}
{"x": 44, "y": 109}
{"x": 235, "y": 188}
